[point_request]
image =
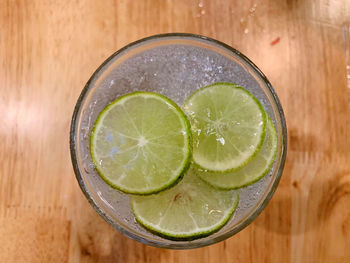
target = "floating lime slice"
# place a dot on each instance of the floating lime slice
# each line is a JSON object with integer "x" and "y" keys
{"x": 252, "y": 172}
{"x": 190, "y": 210}
{"x": 140, "y": 143}
{"x": 228, "y": 126}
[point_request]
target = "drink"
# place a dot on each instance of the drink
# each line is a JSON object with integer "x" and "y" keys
{"x": 174, "y": 66}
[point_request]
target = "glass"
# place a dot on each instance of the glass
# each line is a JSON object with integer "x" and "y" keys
{"x": 174, "y": 65}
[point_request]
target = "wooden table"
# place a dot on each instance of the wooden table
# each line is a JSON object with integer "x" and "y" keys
{"x": 49, "y": 49}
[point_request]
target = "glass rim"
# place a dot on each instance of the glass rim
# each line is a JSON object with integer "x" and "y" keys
{"x": 258, "y": 209}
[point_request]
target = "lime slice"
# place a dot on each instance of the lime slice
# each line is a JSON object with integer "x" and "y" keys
{"x": 228, "y": 126}
{"x": 252, "y": 172}
{"x": 190, "y": 210}
{"x": 140, "y": 143}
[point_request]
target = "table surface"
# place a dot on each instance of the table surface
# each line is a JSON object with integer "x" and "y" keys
{"x": 49, "y": 49}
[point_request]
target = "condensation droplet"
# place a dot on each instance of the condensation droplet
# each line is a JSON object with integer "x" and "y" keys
{"x": 221, "y": 140}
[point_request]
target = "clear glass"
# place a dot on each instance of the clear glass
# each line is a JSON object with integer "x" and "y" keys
{"x": 174, "y": 65}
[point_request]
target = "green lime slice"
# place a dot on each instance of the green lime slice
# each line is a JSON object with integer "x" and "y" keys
{"x": 140, "y": 143}
{"x": 190, "y": 210}
{"x": 228, "y": 126}
{"x": 257, "y": 168}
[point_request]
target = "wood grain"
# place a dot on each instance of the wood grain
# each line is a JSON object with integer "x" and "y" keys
{"x": 49, "y": 49}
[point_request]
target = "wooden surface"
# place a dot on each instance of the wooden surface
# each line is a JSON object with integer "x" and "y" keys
{"x": 49, "y": 49}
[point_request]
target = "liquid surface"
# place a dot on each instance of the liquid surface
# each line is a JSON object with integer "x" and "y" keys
{"x": 176, "y": 72}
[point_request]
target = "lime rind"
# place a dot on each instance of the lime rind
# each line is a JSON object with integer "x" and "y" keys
{"x": 262, "y": 134}
{"x": 188, "y": 142}
{"x": 184, "y": 235}
{"x": 239, "y": 178}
